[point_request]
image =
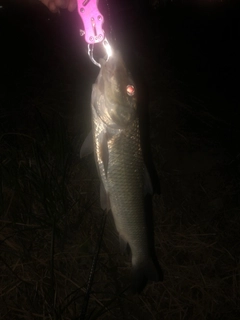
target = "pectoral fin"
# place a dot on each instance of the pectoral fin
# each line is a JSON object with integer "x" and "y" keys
{"x": 87, "y": 146}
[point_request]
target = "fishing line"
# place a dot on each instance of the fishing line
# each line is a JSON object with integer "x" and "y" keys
{"x": 93, "y": 268}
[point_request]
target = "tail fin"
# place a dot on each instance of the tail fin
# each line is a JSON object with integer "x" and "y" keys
{"x": 144, "y": 271}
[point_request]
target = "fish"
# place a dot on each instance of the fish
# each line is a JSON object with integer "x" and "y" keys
{"x": 115, "y": 140}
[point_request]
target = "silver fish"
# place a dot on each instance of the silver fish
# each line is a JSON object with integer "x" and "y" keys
{"x": 118, "y": 155}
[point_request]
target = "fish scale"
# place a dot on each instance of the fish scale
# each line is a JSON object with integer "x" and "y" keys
{"x": 119, "y": 160}
{"x": 125, "y": 185}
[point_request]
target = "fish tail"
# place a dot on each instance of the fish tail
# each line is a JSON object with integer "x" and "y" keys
{"x": 144, "y": 271}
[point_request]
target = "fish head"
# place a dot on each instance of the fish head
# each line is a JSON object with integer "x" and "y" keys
{"x": 117, "y": 104}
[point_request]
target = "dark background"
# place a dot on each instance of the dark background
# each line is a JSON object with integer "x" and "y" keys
{"x": 197, "y": 45}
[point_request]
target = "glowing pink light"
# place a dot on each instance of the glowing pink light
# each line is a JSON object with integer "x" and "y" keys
{"x": 92, "y": 20}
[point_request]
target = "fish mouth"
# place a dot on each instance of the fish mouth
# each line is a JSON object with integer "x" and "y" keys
{"x": 102, "y": 62}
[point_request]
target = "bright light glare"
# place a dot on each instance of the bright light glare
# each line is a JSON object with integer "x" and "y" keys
{"x": 107, "y": 48}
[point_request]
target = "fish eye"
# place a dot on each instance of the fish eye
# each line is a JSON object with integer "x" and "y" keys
{"x": 130, "y": 90}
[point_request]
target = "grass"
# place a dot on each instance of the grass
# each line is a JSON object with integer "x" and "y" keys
{"x": 40, "y": 211}
{"x": 50, "y": 214}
